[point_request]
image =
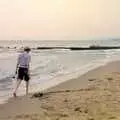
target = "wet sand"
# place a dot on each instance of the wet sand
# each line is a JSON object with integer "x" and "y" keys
{"x": 93, "y": 96}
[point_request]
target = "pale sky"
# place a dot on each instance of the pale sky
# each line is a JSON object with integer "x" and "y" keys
{"x": 59, "y": 19}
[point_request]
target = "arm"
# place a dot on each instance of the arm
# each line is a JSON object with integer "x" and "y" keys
{"x": 17, "y": 65}
{"x": 16, "y": 68}
{"x": 29, "y": 65}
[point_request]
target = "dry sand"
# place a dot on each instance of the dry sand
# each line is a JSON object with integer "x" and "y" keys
{"x": 93, "y": 96}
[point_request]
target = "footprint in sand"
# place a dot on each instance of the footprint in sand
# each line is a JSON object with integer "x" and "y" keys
{"x": 112, "y": 117}
{"x": 65, "y": 100}
{"x": 91, "y": 79}
{"x": 109, "y": 78}
{"x": 79, "y": 109}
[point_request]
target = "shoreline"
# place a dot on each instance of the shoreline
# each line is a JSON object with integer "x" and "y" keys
{"x": 55, "y": 83}
{"x": 91, "y": 74}
{"x": 94, "y": 95}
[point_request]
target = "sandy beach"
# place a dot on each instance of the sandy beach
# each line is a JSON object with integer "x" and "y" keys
{"x": 93, "y": 96}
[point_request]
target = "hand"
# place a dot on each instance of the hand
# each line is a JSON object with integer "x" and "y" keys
{"x": 16, "y": 72}
{"x": 13, "y": 77}
{"x": 29, "y": 76}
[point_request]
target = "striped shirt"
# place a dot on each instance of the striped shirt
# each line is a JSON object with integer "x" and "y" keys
{"x": 24, "y": 60}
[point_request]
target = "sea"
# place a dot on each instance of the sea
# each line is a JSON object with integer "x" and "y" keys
{"x": 53, "y": 66}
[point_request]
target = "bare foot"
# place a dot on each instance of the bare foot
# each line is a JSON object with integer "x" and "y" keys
{"x": 14, "y": 94}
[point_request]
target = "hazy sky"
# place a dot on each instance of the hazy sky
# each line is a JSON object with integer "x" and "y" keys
{"x": 59, "y": 19}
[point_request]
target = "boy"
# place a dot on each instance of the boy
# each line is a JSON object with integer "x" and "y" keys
{"x": 22, "y": 69}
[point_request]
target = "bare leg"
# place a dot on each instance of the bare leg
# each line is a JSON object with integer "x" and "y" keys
{"x": 27, "y": 85}
{"x": 17, "y": 86}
